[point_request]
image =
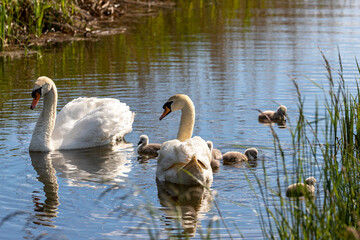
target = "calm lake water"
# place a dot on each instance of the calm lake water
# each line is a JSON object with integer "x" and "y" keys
{"x": 231, "y": 57}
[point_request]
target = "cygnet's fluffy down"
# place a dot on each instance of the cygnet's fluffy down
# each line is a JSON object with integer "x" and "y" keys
{"x": 215, "y": 153}
{"x": 236, "y": 157}
{"x": 146, "y": 148}
{"x": 215, "y": 164}
{"x": 215, "y": 156}
{"x": 301, "y": 189}
{"x": 273, "y": 116}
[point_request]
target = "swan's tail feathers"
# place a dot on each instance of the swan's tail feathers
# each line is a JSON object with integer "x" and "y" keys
{"x": 192, "y": 172}
{"x": 126, "y": 127}
{"x": 194, "y": 165}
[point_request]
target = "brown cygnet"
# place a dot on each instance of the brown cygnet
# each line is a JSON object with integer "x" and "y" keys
{"x": 236, "y": 157}
{"x": 144, "y": 148}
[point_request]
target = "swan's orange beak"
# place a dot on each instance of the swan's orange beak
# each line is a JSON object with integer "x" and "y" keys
{"x": 35, "y": 100}
{"x": 167, "y": 110}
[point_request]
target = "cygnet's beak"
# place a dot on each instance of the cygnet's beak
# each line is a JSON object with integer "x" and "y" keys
{"x": 167, "y": 110}
{"x": 140, "y": 142}
{"x": 253, "y": 156}
{"x": 36, "y": 94}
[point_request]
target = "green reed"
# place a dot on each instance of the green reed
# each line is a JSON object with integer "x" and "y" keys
{"x": 20, "y": 20}
{"x": 331, "y": 154}
{"x": 39, "y": 9}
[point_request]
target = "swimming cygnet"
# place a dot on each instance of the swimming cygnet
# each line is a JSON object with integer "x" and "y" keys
{"x": 272, "y": 116}
{"x": 300, "y": 189}
{"x": 215, "y": 155}
{"x": 236, "y": 157}
{"x": 144, "y": 148}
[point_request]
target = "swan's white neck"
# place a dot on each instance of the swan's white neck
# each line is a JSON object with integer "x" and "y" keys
{"x": 187, "y": 121}
{"x": 41, "y": 138}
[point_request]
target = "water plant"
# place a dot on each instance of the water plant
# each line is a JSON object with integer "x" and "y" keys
{"x": 19, "y": 20}
{"x": 329, "y": 148}
{"x": 25, "y": 20}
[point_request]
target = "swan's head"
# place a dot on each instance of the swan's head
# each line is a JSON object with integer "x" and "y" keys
{"x": 210, "y": 145}
{"x": 282, "y": 110}
{"x": 251, "y": 153}
{"x": 42, "y": 86}
{"x": 143, "y": 139}
{"x": 310, "y": 181}
{"x": 175, "y": 103}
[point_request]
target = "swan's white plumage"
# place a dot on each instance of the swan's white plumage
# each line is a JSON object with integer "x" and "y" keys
{"x": 82, "y": 123}
{"x": 88, "y": 122}
{"x": 175, "y": 152}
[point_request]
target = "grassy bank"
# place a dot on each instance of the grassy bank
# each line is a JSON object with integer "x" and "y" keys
{"x": 333, "y": 155}
{"x": 22, "y": 22}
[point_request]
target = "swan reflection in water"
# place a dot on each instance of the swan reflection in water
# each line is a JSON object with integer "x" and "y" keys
{"x": 183, "y": 205}
{"x": 45, "y": 211}
{"x": 92, "y": 167}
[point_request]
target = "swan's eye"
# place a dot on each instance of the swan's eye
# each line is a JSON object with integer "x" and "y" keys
{"x": 33, "y": 94}
{"x": 168, "y": 105}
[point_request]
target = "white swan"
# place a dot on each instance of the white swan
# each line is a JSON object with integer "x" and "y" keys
{"x": 184, "y": 160}
{"x": 82, "y": 123}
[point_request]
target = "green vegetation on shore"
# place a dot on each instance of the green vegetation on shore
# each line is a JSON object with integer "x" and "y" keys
{"x": 21, "y": 20}
{"x": 25, "y": 20}
{"x": 334, "y": 154}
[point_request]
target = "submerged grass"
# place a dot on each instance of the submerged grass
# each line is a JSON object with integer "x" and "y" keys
{"x": 332, "y": 153}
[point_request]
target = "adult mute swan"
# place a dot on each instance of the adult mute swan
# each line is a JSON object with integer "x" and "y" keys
{"x": 184, "y": 160}
{"x": 82, "y": 123}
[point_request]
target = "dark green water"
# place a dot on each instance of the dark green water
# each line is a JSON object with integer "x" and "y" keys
{"x": 230, "y": 57}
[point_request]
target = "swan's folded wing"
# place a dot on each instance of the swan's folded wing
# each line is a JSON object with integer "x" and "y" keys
{"x": 88, "y": 122}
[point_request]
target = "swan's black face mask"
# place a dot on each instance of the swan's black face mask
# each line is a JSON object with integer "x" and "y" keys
{"x": 36, "y": 94}
{"x": 167, "y": 109}
{"x": 33, "y": 94}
